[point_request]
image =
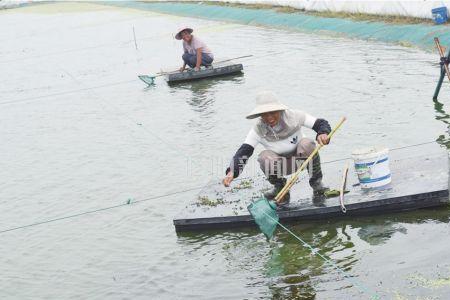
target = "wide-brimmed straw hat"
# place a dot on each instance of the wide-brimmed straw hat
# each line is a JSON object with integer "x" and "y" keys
{"x": 178, "y": 35}
{"x": 266, "y": 102}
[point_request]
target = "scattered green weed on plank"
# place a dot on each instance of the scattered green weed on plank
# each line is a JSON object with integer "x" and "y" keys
{"x": 244, "y": 184}
{"x": 206, "y": 201}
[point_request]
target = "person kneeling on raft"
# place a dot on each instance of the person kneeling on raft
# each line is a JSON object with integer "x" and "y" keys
{"x": 279, "y": 130}
{"x": 195, "y": 51}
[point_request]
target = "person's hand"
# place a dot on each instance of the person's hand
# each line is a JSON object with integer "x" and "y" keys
{"x": 228, "y": 179}
{"x": 181, "y": 69}
{"x": 323, "y": 139}
{"x": 197, "y": 69}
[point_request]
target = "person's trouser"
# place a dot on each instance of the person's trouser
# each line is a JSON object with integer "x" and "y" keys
{"x": 273, "y": 164}
{"x": 191, "y": 59}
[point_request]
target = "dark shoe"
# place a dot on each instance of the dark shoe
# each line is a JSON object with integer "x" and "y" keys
{"x": 319, "y": 188}
{"x": 278, "y": 184}
{"x": 318, "y": 200}
{"x": 285, "y": 203}
{"x": 315, "y": 176}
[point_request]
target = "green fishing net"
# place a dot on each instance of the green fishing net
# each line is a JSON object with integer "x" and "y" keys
{"x": 147, "y": 79}
{"x": 264, "y": 212}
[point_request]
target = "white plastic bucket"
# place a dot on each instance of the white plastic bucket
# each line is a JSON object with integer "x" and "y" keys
{"x": 372, "y": 166}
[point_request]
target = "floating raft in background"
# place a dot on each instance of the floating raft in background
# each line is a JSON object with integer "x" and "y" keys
{"x": 213, "y": 71}
{"x": 420, "y": 179}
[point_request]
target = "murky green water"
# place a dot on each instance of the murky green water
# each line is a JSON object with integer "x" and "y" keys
{"x": 79, "y": 131}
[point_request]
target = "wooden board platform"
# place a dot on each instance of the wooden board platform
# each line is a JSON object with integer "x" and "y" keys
{"x": 420, "y": 179}
{"x": 214, "y": 71}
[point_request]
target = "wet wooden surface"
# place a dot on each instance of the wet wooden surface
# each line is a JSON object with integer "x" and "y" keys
{"x": 219, "y": 70}
{"x": 419, "y": 179}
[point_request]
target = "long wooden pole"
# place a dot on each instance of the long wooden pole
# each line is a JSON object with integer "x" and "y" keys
{"x": 442, "y": 54}
{"x": 342, "y": 189}
{"x": 294, "y": 177}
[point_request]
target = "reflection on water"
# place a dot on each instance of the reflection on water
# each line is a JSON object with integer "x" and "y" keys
{"x": 380, "y": 233}
{"x": 293, "y": 268}
{"x": 203, "y": 97}
{"x": 289, "y": 269}
{"x": 203, "y": 91}
{"x": 443, "y": 116}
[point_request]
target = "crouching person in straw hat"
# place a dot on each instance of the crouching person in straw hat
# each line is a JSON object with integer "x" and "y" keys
{"x": 195, "y": 52}
{"x": 279, "y": 130}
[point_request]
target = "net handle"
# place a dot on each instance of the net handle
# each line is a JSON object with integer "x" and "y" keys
{"x": 442, "y": 54}
{"x": 294, "y": 177}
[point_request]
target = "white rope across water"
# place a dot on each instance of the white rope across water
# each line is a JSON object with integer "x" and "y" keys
{"x": 146, "y": 199}
{"x": 128, "y": 202}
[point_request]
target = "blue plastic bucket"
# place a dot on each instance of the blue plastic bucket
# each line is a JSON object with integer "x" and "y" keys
{"x": 372, "y": 166}
{"x": 440, "y": 15}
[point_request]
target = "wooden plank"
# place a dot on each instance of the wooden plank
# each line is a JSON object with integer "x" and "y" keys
{"x": 419, "y": 180}
{"x": 204, "y": 73}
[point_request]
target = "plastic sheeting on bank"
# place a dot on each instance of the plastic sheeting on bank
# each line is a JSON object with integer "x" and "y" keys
{"x": 412, "y": 8}
{"x": 4, "y": 4}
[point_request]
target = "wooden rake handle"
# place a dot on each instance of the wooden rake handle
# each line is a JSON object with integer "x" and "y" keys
{"x": 294, "y": 177}
{"x": 342, "y": 189}
{"x": 442, "y": 54}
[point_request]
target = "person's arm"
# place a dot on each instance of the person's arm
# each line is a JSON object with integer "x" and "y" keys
{"x": 323, "y": 128}
{"x": 238, "y": 163}
{"x": 241, "y": 157}
{"x": 184, "y": 64}
{"x": 183, "y": 67}
{"x": 199, "y": 59}
{"x": 320, "y": 126}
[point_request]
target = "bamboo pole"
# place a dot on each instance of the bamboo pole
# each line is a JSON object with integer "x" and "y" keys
{"x": 294, "y": 177}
